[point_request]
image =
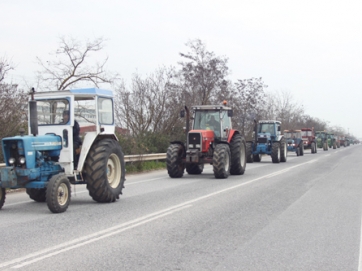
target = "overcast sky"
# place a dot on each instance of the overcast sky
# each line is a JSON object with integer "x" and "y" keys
{"x": 310, "y": 48}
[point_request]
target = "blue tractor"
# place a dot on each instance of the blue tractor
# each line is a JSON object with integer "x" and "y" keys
{"x": 46, "y": 162}
{"x": 294, "y": 141}
{"x": 267, "y": 140}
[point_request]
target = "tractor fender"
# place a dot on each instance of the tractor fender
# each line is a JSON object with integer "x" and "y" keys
{"x": 280, "y": 137}
{"x": 88, "y": 141}
{"x": 231, "y": 134}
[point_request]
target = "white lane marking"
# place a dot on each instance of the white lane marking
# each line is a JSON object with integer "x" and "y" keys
{"x": 115, "y": 230}
{"x": 98, "y": 235}
{"x": 122, "y": 227}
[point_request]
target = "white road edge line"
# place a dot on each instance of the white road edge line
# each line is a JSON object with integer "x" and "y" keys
{"x": 128, "y": 225}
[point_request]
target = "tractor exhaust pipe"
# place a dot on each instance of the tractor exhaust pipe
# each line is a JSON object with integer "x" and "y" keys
{"x": 187, "y": 120}
{"x": 33, "y": 118}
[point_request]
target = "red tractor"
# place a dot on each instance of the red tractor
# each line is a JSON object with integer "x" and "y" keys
{"x": 211, "y": 140}
{"x": 309, "y": 139}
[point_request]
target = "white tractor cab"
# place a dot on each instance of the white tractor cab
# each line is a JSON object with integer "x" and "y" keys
{"x": 43, "y": 162}
{"x": 93, "y": 110}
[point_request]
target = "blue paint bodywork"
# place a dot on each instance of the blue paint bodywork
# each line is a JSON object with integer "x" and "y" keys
{"x": 40, "y": 154}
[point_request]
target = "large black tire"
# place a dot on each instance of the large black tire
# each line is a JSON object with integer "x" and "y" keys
{"x": 175, "y": 166}
{"x": 325, "y": 146}
{"x": 249, "y": 152}
{"x": 313, "y": 147}
{"x": 58, "y": 193}
{"x": 238, "y": 155}
{"x": 104, "y": 170}
{"x": 297, "y": 151}
{"x": 2, "y": 197}
{"x": 39, "y": 195}
{"x": 334, "y": 145}
{"x": 194, "y": 169}
{"x": 301, "y": 149}
{"x": 275, "y": 154}
{"x": 283, "y": 150}
{"x": 221, "y": 161}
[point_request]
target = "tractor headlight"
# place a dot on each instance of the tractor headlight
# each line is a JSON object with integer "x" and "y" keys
{"x": 22, "y": 160}
{"x": 197, "y": 145}
{"x": 11, "y": 161}
{"x": 191, "y": 146}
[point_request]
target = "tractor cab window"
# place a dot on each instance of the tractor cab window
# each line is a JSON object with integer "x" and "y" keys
{"x": 50, "y": 111}
{"x": 225, "y": 120}
{"x": 266, "y": 128}
{"x": 207, "y": 120}
{"x": 105, "y": 111}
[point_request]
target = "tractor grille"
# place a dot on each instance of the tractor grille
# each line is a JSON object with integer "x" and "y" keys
{"x": 262, "y": 140}
{"x": 193, "y": 140}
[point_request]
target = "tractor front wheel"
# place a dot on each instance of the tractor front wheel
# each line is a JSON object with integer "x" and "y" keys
{"x": 301, "y": 149}
{"x": 2, "y": 197}
{"x": 238, "y": 155}
{"x": 38, "y": 195}
{"x": 194, "y": 169}
{"x": 175, "y": 166}
{"x": 325, "y": 146}
{"x": 297, "y": 151}
{"x": 275, "y": 154}
{"x": 104, "y": 170}
{"x": 283, "y": 150}
{"x": 221, "y": 161}
{"x": 58, "y": 193}
{"x": 313, "y": 148}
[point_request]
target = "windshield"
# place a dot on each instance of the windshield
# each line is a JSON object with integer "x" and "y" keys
{"x": 50, "y": 111}
{"x": 266, "y": 128}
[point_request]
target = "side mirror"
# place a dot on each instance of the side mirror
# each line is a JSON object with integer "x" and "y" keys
{"x": 278, "y": 128}
{"x": 230, "y": 113}
{"x": 182, "y": 113}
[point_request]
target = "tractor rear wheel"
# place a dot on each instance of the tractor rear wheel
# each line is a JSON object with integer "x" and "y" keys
{"x": 2, "y": 197}
{"x": 58, "y": 193}
{"x": 175, "y": 166}
{"x": 238, "y": 155}
{"x": 39, "y": 195}
{"x": 301, "y": 149}
{"x": 194, "y": 169}
{"x": 249, "y": 152}
{"x": 334, "y": 145}
{"x": 283, "y": 150}
{"x": 104, "y": 170}
{"x": 297, "y": 151}
{"x": 221, "y": 161}
{"x": 275, "y": 154}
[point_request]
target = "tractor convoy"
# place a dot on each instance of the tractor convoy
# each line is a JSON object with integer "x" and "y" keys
{"x": 53, "y": 156}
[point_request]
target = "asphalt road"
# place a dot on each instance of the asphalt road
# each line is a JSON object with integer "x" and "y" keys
{"x": 304, "y": 214}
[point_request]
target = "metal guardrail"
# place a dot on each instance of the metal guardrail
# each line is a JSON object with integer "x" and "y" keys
{"x": 135, "y": 158}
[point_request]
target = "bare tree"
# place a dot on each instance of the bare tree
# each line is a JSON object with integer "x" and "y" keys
{"x": 202, "y": 75}
{"x": 151, "y": 105}
{"x": 71, "y": 66}
{"x": 249, "y": 102}
{"x": 13, "y": 104}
